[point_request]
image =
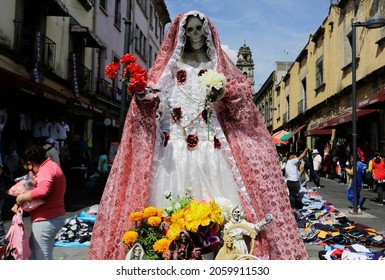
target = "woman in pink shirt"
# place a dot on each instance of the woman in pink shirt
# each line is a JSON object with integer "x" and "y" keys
{"x": 48, "y": 218}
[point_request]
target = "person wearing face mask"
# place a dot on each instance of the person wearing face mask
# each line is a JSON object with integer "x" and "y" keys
{"x": 209, "y": 139}
{"x": 48, "y": 218}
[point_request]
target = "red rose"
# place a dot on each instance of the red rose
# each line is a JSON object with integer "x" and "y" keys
{"x": 192, "y": 142}
{"x": 181, "y": 76}
{"x": 176, "y": 114}
{"x": 217, "y": 143}
{"x": 112, "y": 70}
{"x": 202, "y": 72}
{"x": 127, "y": 59}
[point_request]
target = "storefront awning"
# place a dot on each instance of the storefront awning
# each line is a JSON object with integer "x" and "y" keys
{"x": 280, "y": 134}
{"x": 57, "y": 8}
{"x": 288, "y": 136}
{"x": 278, "y": 141}
{"x": 92, "y": 41}
{"x": 317, "y": 131}
{"x": 373, "y": 102}
{"x": 344, "y": 118}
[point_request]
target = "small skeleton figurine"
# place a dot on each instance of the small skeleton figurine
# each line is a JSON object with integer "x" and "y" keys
{"x": 136, "y": 253}
{"x": 238, "y": 217}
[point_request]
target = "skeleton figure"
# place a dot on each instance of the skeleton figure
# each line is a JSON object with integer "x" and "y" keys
{"x": 136, "y": 253}
{"x": 195, "y": 48}
{"x": 238, "y": 217}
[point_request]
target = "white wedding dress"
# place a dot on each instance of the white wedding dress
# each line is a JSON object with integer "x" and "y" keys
{"x": 208, "y": 171}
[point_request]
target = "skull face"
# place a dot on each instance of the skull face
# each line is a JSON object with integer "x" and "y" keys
{"x": 194, "y": 33}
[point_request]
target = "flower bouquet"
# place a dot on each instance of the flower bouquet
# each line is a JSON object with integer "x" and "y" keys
{"x": 215, "y": 83}
{"x": 134, "y": 75}
{"x": 185, "y": 229}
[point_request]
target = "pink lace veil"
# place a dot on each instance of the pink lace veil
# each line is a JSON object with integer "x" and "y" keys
{"x": 259, "y": 178}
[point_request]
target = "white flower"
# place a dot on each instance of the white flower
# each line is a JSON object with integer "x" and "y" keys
{"x": 177, "y": 206}
{"x": 213, "y": 79}
{"x": 167, "y": 194}
{"x": 225, "y": 204}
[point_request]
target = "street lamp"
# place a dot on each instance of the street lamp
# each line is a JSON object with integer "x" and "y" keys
{"x": 372, "y": 23}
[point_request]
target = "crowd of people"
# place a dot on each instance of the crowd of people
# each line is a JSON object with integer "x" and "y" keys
{"x": 298, "y": 170}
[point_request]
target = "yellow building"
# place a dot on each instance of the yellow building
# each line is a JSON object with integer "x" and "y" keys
{"x": 314, "y": 98}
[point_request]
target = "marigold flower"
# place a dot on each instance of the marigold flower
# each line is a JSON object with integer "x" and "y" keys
{"x": 136, "y": 216}
{"x": 159, "y": 212}
{"x": 150, "y": 211}
{"x": 154, "y": 221}
{"x": 161, "y": 245}
{"x": 130, "y": 237}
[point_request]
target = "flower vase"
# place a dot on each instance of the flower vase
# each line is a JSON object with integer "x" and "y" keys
{"x": 208, "y": 256}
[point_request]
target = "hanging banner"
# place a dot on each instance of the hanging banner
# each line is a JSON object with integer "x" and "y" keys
{"x": 74, "y": 63}
{"x": 37, "y": 71}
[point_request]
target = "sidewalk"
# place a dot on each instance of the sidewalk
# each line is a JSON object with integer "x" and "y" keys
{"x": 373, "y": 215}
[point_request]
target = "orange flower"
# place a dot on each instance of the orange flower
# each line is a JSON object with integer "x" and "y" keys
{"x": 130, "y": 237}
{"x": 136, "y": 216}
{"x": 154, "y": 221}
{"x": 150, "y": 211}
{"x": 161, "y": 245}
{"x": 160, "y": 212}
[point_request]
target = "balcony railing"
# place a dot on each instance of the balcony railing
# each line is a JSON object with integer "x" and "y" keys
{"x": 29, "y": 51}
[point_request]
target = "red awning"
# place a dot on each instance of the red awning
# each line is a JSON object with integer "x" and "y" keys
{"x": 318, "y": 131}
{"x": 344, "y": 118}
{"x": 374, "y": 101}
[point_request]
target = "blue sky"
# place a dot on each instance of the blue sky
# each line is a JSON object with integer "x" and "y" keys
{"x": 275, "y": 30}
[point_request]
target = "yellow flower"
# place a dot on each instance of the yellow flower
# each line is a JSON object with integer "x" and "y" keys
{"x": 215, "y": 214}
{"x": 130, "y": 237}
{"x": 136, "y": 216}
{"x": 197, "y": 214}
{"x": 154, "y": 221}
{"x": 161, "y": 245}
{"x": 173, "y": 231}
{"x": 178, "y": 218}
{"x": 150, "y": 211}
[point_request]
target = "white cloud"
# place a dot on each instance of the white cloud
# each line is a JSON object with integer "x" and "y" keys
{"x": 231, "y": 53}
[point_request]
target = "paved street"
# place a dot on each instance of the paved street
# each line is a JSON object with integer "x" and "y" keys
{"x": 373, "y": 215}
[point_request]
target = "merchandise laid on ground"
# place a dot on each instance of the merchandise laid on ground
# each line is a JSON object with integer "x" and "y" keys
{"x": 77, "y": 230}
{"x": 321, "y": 223}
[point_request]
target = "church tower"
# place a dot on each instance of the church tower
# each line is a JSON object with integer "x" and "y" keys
{"x": 245, "y": 63}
